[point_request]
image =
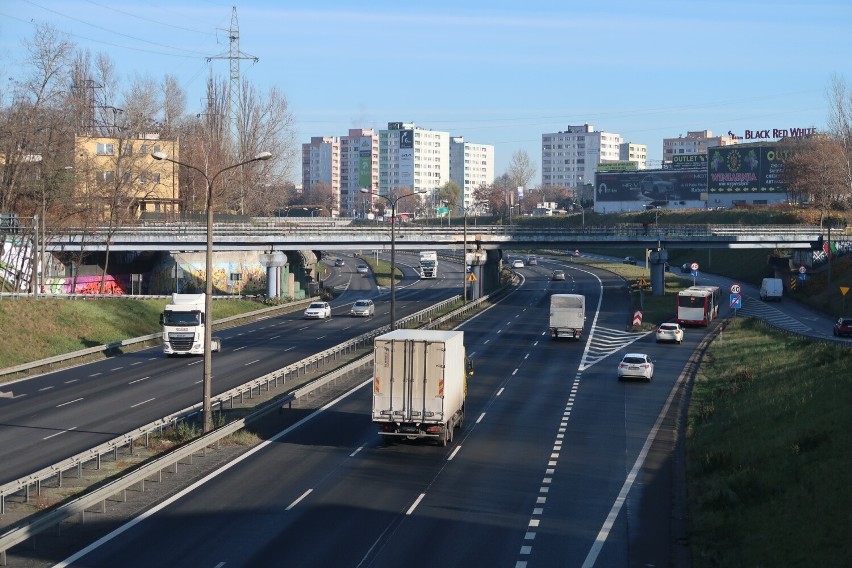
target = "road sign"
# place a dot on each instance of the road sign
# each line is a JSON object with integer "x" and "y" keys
{"x": 736, "y": 301}
{"x": 844, "y": 289}
{"x": 735, "y": 289}
{"x": 803, "y": 276}
{"x": 792, "y": 283}
{"x": 642, "y": 282}
{"x": 694, "y": 266}
{"x": 637, "y": 318}
{"x": 802, "y": 269}
{"x": 471, "y": 277}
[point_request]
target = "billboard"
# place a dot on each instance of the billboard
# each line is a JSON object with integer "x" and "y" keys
{"x": 688, "y": 161}
{"x": 650, "y": 185}
{"x": 745, "y": 169}
{"x": 406, "y": 158}
{"x": 365, "y": 162}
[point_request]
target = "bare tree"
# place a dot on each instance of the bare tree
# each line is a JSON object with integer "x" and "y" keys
{"x": 840, "y": 122}
{"x": 815, "y": 166}
{"x": 521, "y": 169}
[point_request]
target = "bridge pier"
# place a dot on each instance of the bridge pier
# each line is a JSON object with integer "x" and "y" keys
{"x": 657, "y": 260}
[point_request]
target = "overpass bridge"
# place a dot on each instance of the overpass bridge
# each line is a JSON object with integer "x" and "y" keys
{"x": 276, "y": 236}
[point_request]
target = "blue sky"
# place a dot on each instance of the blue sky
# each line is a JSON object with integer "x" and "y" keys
{"x": 496, "y": 72}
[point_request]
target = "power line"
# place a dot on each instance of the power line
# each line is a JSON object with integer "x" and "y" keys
{"x": 144, "y": 19}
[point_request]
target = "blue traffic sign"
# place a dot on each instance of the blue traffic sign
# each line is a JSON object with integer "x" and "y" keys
{"x": 736, "y": 301}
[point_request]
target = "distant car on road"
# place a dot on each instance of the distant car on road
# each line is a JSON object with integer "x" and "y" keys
{"x": 339, "y": 262}
{"x": 636, "y": 366}
{"x": 363, "y": 308}
{"x": 532, "y": 260}
{"x": 670, "y": 332}
{"x": 628, "y": 260}
{"x": 686, "y": 267}
{"x": 518, "y": 263}
{"x": 558, "y": 275}
{"x": 318, "y": 310}
{"x": 362, "y": 269}
{"x": 843, "y": 327}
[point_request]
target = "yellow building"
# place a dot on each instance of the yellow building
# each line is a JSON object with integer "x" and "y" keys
{"x": 119, "y": 174}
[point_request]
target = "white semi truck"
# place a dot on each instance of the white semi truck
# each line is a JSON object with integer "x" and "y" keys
{"x": 428, "y": 264}
{"x": 567, "y": 315}
{"x": 183, "y": 322}
{"x": 419, "y": 384}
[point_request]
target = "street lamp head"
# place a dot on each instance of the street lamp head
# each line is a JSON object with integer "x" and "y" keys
{"x": 364, "y": 190}
{"x": 263, "y": 156}
{"x": 159, "y": 155}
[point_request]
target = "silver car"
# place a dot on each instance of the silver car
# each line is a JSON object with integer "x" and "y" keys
{"x": 363, "y": 308}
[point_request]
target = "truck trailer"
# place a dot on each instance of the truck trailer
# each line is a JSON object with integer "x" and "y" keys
{"x": 419, "y": 384}
{"x": 567, "y": 315}
{"x": 183, "y": 322}
{"x": 428, "y": 264}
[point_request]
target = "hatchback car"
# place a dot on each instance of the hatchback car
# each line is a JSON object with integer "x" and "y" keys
{"x": 532, "y": 261}
{"x": 339, "y": 262}
{"x": 318, "y": 310}
{"x": 843, "y": 327}
{"x": 636, "y": 366}
{"x": 628, "y": 260}
{"x": 363, "y": 308}
{"x": 362, "y": 269}
{"x": 518, "y": 263}
{"x": 670, "y": 332}
{"x": 558, "y": 275}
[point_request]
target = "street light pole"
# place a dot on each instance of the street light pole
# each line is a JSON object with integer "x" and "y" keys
{"x": 208, "y": 289}
{"x": 393, "y": 203}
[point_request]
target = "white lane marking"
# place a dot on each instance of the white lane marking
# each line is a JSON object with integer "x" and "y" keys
{"x": 296, "y": 502}
{"x": 116, "y": 369}
{"x": 514, "y": 372}
{"x": 238, "y": 348}
{"x": 499, "y": 392}
{"x": 252, "y": 362}
{"x": 195, "y": 363}
{"x": 139, "y": 380}
{"x": 143, "y": 402}
{"x": 414, "y": 505}
{"x": 69, "y": 402}
{"x": 486, "y": 341}
{"x": 289, "y": 348}
{"x": 94, "y": 374}
{"x": 274, "y": 337}
{"x": 71, "y": 381}
{"x": 527, "y": 356}
{"x": 481, "y": 416}
{"x": 321, "y": 337}
{"x": 46, "y": 388}
{"x": 59, "y": 433}
{"x": 358, "y": 449}
{"x": 628, "y": 482}
{"x": 303, "y": 328}
{"x": 136, "y": 363}
{"x": 219, "y": 565}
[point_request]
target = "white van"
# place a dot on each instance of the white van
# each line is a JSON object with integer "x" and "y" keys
{"x": 771, "y": 289}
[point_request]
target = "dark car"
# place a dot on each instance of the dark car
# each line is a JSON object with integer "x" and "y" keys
{"x": 843, "y": 327}
{"x": 686, "y": 267}
{"x": 628, "y": 260}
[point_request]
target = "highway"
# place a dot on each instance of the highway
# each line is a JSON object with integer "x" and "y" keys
{"x": 59, "y": 414}
{"x": 532, "y": 479}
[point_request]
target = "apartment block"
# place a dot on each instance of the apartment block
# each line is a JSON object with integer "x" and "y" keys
{"x": 695, "y": 142}
{"x": 471, "y": 166}
{"x": 413, "y": 158}
{"x": 321, "y": 164}
{"x": 120, "y": 172}
{"x": 359, "y": 168}
{"x": 569, "y": 158}
{"x": 633, "y": 152}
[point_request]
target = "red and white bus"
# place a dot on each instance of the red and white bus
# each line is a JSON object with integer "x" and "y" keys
{"x": 697, "y": 305}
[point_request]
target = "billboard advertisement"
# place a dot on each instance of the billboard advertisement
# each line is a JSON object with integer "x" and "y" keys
{"x": 688, "y": 161}
{"x": 650, "y": 185}
{"x": 406, "y": 158}
{"x": 365, "y": 163}
{"x": 745, "y": 169}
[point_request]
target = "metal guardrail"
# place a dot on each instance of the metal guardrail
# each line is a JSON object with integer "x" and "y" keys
{"x": 131, "y": 341}
{"x": 80, "y": 505}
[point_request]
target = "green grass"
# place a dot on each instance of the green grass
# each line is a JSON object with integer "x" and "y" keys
{"x": 769, "y": 452}
{"x": 382, "y": 271}
{"x": 46, "y": 327}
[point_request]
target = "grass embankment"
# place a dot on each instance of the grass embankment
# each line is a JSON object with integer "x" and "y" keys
{"x": 769, "y": 451}
{"x": 41, "y": 328}
{"x": 382, "y": 271}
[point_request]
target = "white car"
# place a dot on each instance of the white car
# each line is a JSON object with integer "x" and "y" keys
{"x": 318, "y": 310}
{"x": 518, "y": 264}
{"x": 670, "y": 332}
{"x": 363, "y": 308}
{"x": 636, "y": 366}
{"x": 362, "y": 269}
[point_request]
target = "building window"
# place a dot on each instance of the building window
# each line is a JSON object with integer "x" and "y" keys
{"x": 106, "y": 176}
{"x": 143, "y": 149}
{"x": 155, "y": 178}
{"x": 104, "y": 149}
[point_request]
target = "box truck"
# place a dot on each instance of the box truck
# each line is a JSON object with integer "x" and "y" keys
{"x": 771, "y": 289}
{"x": 183, "y": 322}
{"x": 428, "y": 264}
{"x": 567, "y": 315}
{"x": 419, "y": 384}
